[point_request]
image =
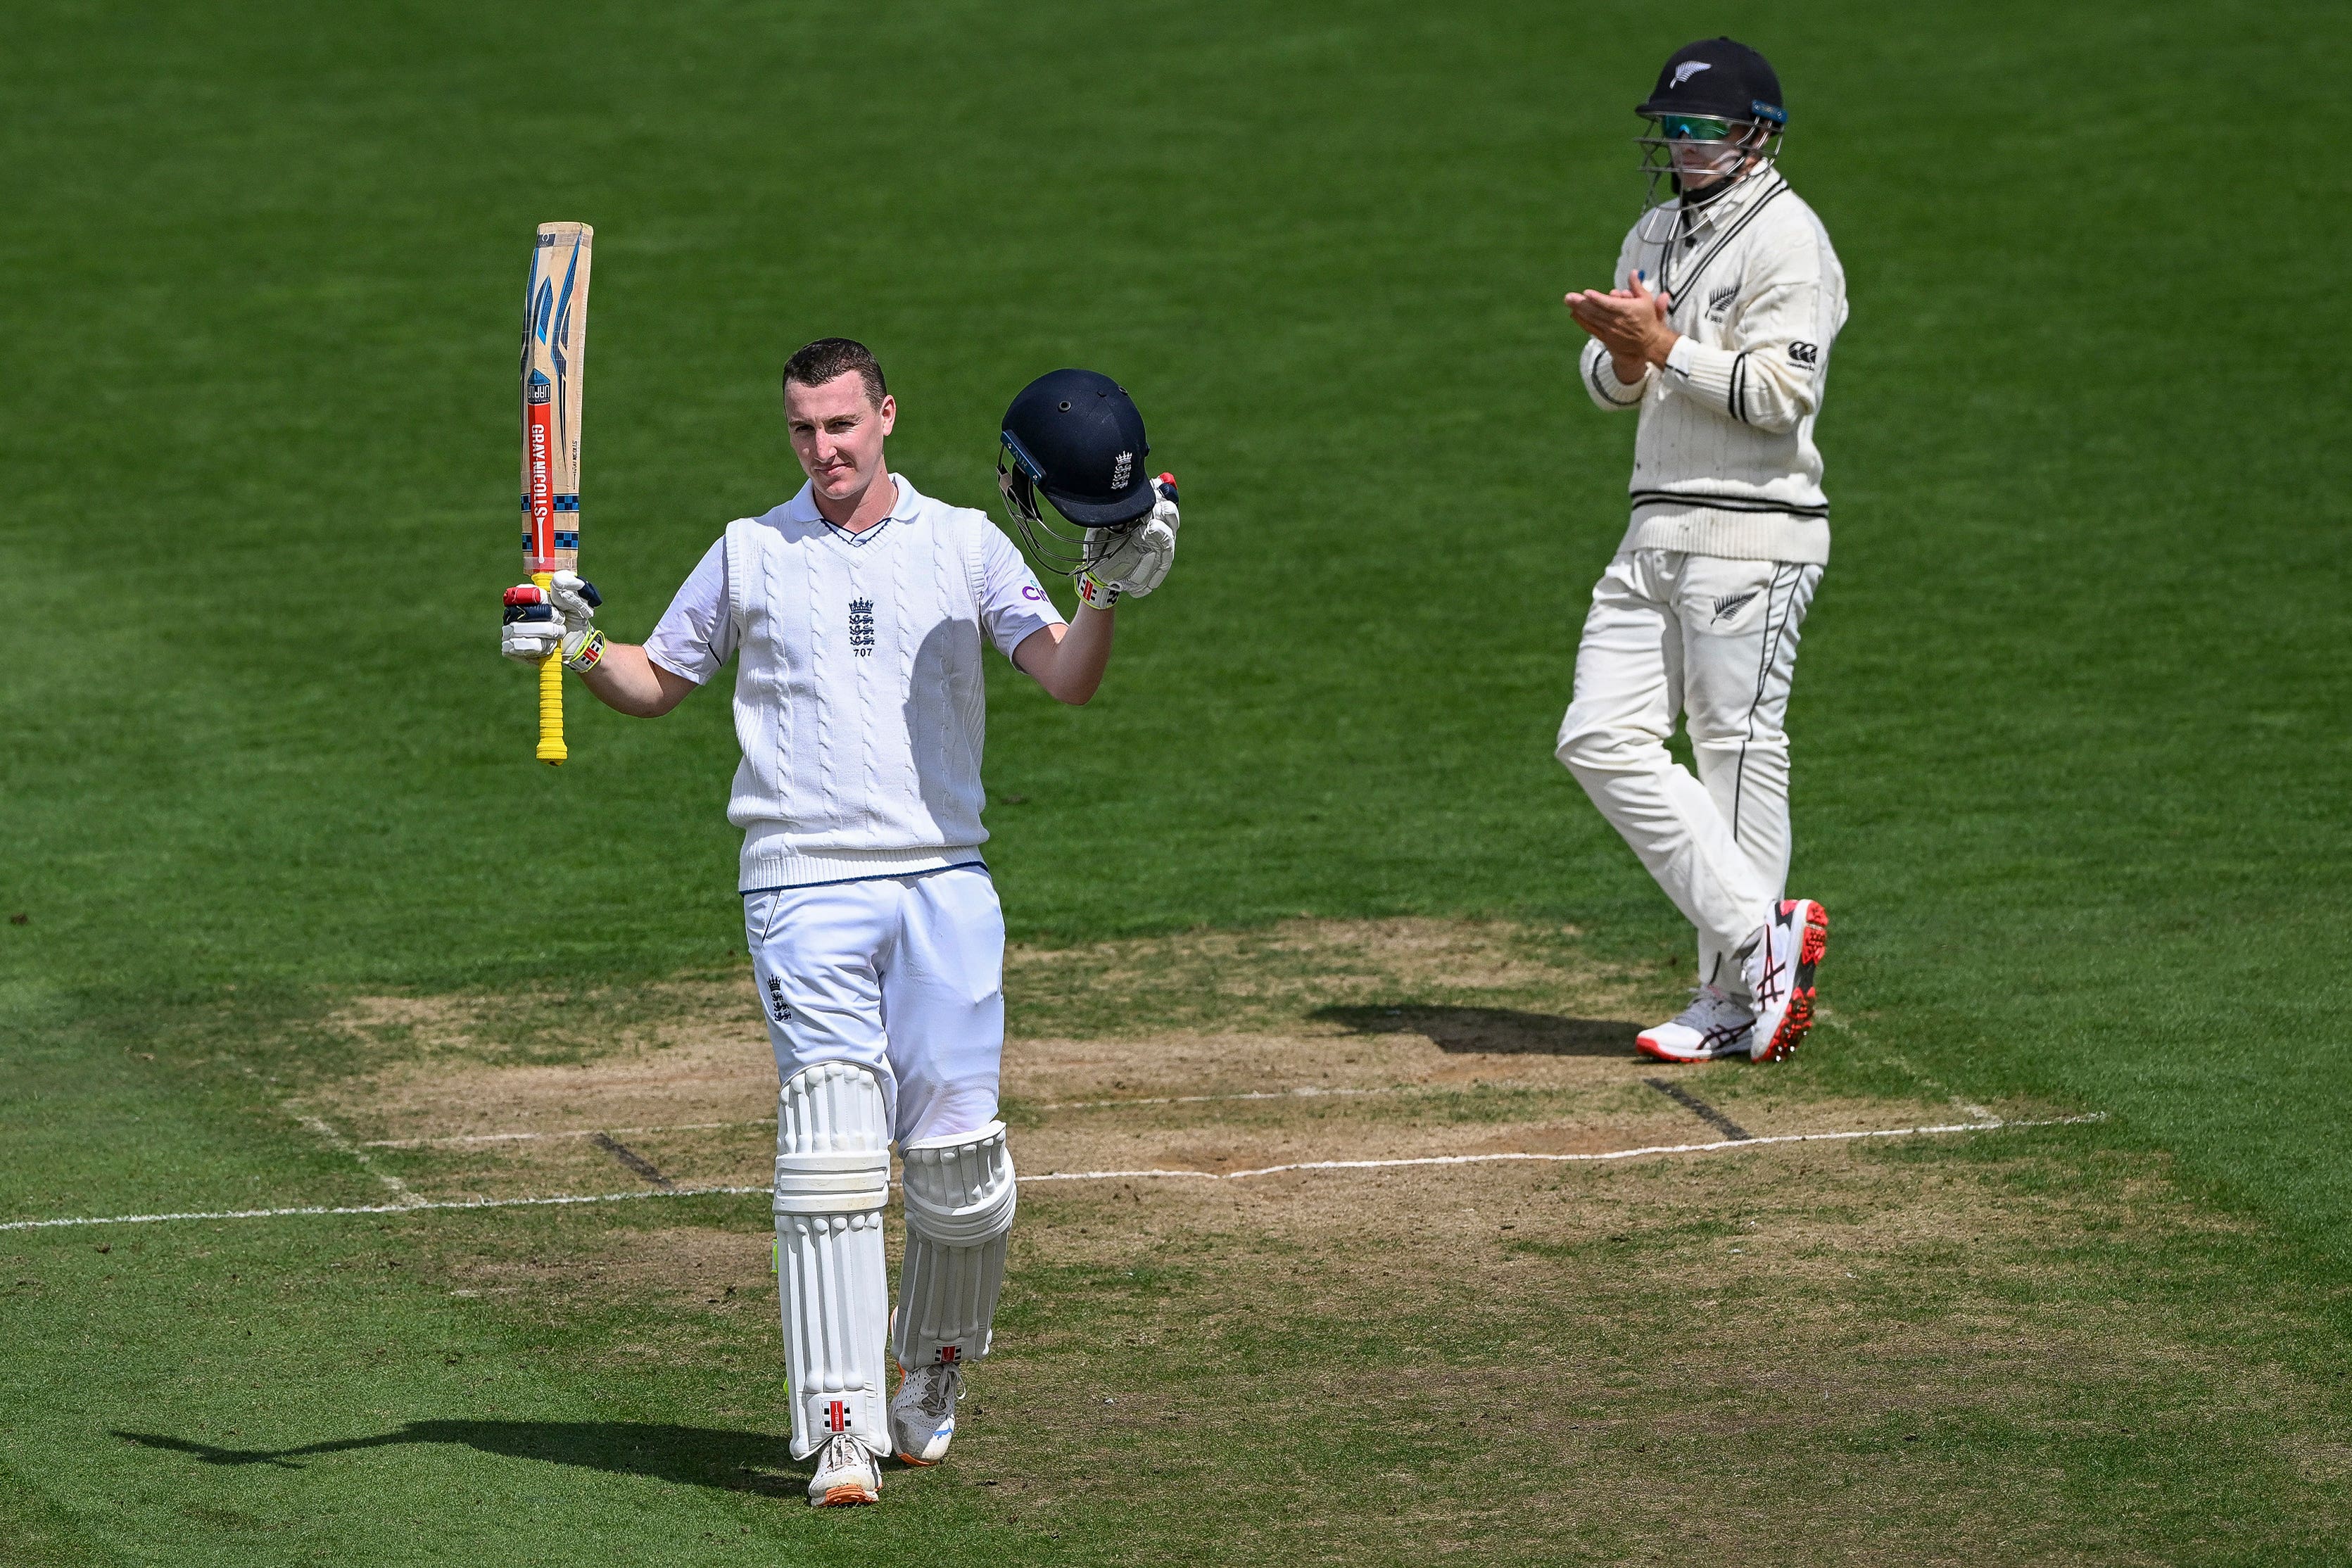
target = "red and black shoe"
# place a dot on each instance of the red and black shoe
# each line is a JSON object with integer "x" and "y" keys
{"x": 1778, "y": 964}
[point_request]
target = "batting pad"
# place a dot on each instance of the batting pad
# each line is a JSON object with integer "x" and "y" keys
{"x": 833, "y": 1176}
{"x": 959, "y": 1194}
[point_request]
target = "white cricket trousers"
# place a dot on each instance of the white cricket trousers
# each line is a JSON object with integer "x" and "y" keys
{"x": 902, "y": 975}
{"x": 1714, "y": 641}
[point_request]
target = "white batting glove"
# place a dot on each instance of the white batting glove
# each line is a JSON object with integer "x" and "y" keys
{"x": 561, "y": 617}
{"x": 1130, "y": 562}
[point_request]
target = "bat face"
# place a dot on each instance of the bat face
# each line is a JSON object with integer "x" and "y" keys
{"x": 554, "y": 356}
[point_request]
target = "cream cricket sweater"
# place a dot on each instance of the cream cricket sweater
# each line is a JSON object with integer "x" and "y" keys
{"x": 1724, "y": 461}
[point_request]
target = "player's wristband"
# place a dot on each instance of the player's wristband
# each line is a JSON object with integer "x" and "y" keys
{"x": 591, "y": 655}
{"x": 1095, "y": 594}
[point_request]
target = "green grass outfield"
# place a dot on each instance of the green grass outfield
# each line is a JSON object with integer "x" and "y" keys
{"x": 2072, "y": 763}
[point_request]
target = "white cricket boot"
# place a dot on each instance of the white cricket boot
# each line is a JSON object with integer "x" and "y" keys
{"x": 847, "y": 1473}
{"x": 1713, "y": 1026}
{"x": 923, "y": 1413}
{"x": 1778, "y": 963}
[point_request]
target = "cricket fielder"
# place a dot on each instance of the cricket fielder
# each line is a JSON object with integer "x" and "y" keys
{"x": 856, "y": 612}
{"x": 1728, "y": 297}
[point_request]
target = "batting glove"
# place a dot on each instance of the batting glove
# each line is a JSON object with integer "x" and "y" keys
{"x": 1131, "y": 561}
{"x": 561, "y": 617}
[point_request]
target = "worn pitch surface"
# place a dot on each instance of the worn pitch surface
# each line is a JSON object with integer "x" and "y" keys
{"x": 1799, "y": 1353}
{"x": 1807, "y": 1352}
{"x": 684, "y": 1098}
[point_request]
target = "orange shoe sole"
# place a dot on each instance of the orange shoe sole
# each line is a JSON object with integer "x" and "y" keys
{"x": 1797, "y": 1022}
{"x": 1655, "y": 1055}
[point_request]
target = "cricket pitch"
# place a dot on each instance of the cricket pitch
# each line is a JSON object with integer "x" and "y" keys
{"x": 1312, "y": 1252}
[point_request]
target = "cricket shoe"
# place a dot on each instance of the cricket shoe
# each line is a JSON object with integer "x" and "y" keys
{"x": 846, "y": 1474}
{"x": 923, "y": 1412}
{"x": 1778, "y": 964}
{"x": 1713, "y": 1026}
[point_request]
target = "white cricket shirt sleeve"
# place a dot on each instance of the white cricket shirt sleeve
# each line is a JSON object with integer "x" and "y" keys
{"x": 1013, "y": 608}
{"x": 1601, "y": 379}
{"x": 695, "y": 635}
{"x": 1600, "y": 382}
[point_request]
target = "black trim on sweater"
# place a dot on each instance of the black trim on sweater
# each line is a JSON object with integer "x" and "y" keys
{"x": 874, "y": 875}
{"x": 1682, "y": 290}
{"x": 1728, "y": 502}
{"x": 1768, "y": 655}
{"x": 1600, "y": 392}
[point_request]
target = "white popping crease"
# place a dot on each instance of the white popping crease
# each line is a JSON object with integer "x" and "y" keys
{"x": 1995, "y": 1125}
{"x": 1722, "y": 1143}
{"x": 336, "y": 1142}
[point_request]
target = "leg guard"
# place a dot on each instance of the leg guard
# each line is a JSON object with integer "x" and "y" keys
{"x": 959, "y": 1194}
{"x": 833, "y": 1176}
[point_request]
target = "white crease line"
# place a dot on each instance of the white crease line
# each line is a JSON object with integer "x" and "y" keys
{"x": 1572, "y": 1159}
{"x": 392, "y": 1183}
{"x": 417, "y": 1206}
{"x": 420, "y": 1205}
{"x": 1965, "y": 1106}
{"x": 336, "y": 1142}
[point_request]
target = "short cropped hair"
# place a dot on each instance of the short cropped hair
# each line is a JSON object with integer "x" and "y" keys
{"x": 814, "y": 365}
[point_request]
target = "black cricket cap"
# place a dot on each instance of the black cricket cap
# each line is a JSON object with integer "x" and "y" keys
{"x": 1718, "y": 79}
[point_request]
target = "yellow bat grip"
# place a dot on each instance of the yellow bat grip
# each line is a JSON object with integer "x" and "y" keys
{"x": 552, "y": 750}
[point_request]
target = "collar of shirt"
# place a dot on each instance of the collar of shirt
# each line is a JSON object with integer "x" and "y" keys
{"x": 801, "y": 508}
{"x": 1729, "y": 204}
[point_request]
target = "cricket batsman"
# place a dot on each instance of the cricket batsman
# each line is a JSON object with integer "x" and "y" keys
{"x": 856, "y": 612}
{"x": 1728, "y": 297}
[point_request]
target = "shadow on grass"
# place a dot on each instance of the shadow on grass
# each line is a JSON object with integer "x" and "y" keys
{"x": 1499, "y": 1031}
{"x": 687, "y": 1455}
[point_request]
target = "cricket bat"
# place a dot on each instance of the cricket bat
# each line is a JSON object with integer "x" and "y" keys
{"x": 554, "y": 355}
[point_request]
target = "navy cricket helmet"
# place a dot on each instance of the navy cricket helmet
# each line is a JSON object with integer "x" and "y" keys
{"x": 1076, "y": 436}
{"x": 1717, "y": 78}
{"x": 1715, "y": 119}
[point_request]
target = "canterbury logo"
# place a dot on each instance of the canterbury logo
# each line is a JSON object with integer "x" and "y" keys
{"x": 1689, "y": 69}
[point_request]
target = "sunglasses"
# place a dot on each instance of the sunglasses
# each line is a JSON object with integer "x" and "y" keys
{"x": 1692, "y": 128}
